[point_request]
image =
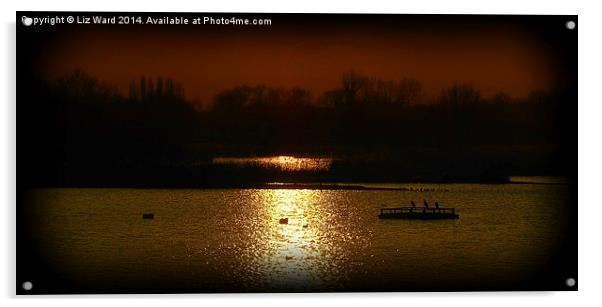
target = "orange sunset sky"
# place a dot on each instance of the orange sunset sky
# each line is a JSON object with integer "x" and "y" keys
{"x": 313, "y": 55}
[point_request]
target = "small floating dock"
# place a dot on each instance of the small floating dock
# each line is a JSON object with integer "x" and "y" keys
{"x": 413, "y": 213}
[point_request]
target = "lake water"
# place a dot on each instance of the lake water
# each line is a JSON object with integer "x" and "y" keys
{"x": 285, "y": 163}
{"x": 231, "y": 239}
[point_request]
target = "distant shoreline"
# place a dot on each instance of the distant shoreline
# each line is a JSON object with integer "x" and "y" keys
{"x": 308, "y": 186}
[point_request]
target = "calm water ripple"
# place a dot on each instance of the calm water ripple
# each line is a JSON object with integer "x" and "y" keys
{"x": 211, "y": 240}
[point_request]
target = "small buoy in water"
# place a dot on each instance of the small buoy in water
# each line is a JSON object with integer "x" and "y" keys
{"x": 305, "y": 226}
{"x": 148, "y": 216}
{"x": 284, "y": 220}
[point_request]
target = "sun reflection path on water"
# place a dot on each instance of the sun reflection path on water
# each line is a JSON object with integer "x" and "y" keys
{"x": 285, "y": 163}
{"x": 297, "y": 255}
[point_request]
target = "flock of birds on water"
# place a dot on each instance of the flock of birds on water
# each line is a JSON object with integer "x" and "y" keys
{"x": 412, "y": 189}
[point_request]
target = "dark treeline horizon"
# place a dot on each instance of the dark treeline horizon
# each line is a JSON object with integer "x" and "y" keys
{"x": 377, "y": 130}
{"x": 407, "y": 90}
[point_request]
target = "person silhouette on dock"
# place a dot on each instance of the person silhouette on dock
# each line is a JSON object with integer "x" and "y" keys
{"x": 437, "y": 204}
{"x": 426, "y": 205}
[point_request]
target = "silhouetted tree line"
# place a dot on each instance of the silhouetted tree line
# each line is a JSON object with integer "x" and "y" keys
{"x": 370, "y": 113}
{"x": 380, "y": 129}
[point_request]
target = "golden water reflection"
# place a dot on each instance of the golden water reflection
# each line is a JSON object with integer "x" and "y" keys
{"x": 232, "y": 240}
{"x": 285, "y": 163}
{"x": 298, "y": 254}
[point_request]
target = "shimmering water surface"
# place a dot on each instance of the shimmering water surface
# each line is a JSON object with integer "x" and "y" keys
{"x": 286, "y": 163}
{"x": 220, "y": 239}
